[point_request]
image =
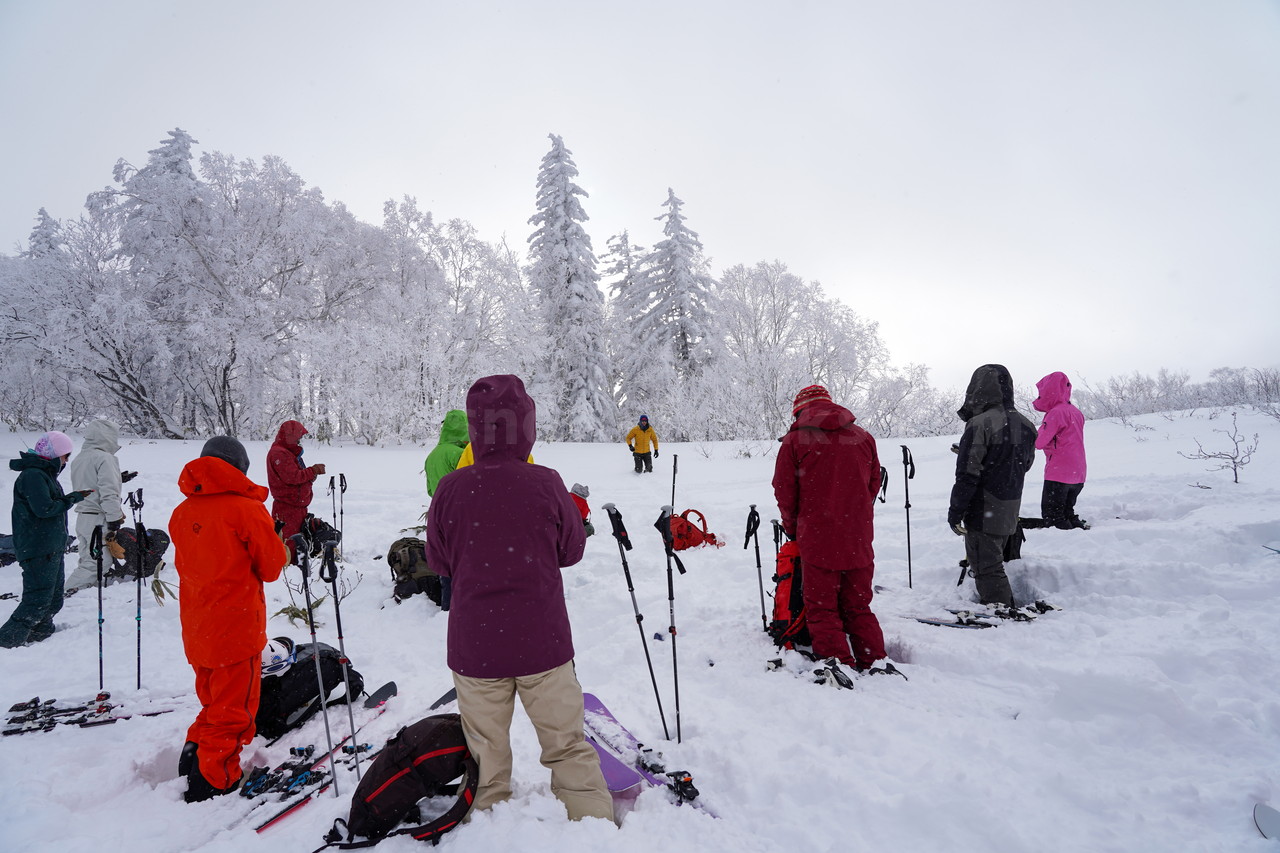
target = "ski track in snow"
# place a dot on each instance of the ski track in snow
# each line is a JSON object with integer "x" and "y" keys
{"x": 1143, "y": 716}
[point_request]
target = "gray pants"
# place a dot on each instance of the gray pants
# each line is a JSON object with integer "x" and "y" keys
{"x": 86, "y": 572}
{"x": 985, "y": 552}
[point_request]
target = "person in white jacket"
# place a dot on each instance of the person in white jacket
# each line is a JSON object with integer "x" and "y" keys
{"x": 96, "y": 467}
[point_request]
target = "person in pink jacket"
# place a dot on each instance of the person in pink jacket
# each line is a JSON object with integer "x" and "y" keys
{"x": 1061, "y": 437}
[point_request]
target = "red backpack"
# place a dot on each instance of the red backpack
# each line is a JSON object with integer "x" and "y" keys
{"x": 790, "y": 626}
{"x": 685, "y": 534}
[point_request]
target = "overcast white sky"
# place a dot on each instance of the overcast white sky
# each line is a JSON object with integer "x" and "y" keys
{"x": 1081, "y": 185}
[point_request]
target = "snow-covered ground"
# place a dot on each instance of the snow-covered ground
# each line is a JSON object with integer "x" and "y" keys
{"x": 1143, "y": 716}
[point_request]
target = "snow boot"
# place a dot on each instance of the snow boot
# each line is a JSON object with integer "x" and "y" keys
{"x": 187, "y": 758}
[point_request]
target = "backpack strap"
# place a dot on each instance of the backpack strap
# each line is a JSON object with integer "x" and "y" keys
{"x": 426, "y": 832}
{"x": 702, "y": 519}
{"x": 447, "y": 821}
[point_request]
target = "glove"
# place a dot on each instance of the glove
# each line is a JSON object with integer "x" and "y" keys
{"x": 958, "y": 529}
{"x": 631, "y": 447}
{"x": 116, "y": 549}
{"x": 79, "y": 495}
{"x": 113, "y": 526}
{"x": 655, "y": 453}
{"x": 127, "y": 476}
{"x": 317, "y": 469}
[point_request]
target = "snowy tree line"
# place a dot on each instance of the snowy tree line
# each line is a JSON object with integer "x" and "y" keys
{"x": 217, "y": 295}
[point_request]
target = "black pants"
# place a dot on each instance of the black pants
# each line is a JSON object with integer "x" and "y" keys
{"x": 1058, "y": 504}
{"x": 645, "y": 460}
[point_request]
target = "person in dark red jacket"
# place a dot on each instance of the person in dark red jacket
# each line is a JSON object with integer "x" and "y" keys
{"x": 825, "y": 480}
{"x": 289, "y": 479}
{"x": 226, "y": 549}
{"x": 501, "y": 529}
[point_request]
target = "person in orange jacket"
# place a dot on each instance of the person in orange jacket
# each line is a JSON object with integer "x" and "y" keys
{"x": 289, "y": 479}
{"x": 227, "y": 547}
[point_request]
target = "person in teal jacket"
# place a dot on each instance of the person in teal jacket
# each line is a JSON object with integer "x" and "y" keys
{"x": 39, "y": 537}
{"x": 444, "y": 458}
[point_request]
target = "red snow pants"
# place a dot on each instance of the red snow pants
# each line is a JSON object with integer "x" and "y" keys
{"x": 228, "y": 705}
{"x": 838, "y": 605}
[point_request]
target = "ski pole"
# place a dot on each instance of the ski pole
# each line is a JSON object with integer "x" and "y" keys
{"x": 884, "y": 483}
{"x": 333, "y": 499}
{"x": 908, "y": 472}
{"x": 304, "y": 565}
{"x": 779, "y": 534}
{"x": 342, "y": 494}
{"x": 95, "y": 551}
{"x": 675, "y": 463}
{"x": 753, "y": 525}
{"x": 140, "y": 546}
{"x": 329, "y": 574}
{"x": 663, "y": 525}
{"x": 624, "y": 545}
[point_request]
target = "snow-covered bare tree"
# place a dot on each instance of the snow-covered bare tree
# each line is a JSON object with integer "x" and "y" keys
{"x": 562, "y": 274}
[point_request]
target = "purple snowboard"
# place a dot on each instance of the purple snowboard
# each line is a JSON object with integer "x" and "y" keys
{"x": 607, "y": 734}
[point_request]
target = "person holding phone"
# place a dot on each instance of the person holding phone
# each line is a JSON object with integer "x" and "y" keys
{"x": 39, "y": 519}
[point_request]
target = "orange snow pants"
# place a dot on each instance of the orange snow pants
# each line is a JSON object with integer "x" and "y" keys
{"x": 228, "y": 705}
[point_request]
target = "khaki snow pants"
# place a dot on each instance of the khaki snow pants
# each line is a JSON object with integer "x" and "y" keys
{"x": 553, "y": 701}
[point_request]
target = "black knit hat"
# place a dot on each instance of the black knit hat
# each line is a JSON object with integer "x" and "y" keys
{"x": 227, "y": 449}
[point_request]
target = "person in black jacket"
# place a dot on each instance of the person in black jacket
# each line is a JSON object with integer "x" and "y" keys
{"x": 996, "y": 451}
{"x": 40, "y": 537}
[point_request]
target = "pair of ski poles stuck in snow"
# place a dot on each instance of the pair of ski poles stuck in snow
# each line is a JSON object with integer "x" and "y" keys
{"x": 663, "y": 526}
{"x": 96, "y": 546}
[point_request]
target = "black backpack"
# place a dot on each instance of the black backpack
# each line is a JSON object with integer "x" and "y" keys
{"x": 316, "y": 531}
{"x": 290, "y": 699}
{"x": 127, "y": 569}
{"x": 418, "y": 762}
{"x": 407, "y": 559}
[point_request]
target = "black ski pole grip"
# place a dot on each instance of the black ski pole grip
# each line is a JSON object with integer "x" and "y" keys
{"x": 300, "y": 548}
{"x": 753, "y": 524}
{"x": 908, "y": 462}
{"x": 619, "y": 529}
{"x": 342, "y": 483}
{"x": 884, "y": 483}
{"x": 328, "y": 565}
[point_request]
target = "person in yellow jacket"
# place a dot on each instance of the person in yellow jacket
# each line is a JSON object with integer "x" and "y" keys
{"x": 641, "y": 438}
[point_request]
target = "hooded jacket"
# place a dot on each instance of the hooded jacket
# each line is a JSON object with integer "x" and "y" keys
{"x": 39, "y": 513}
{"x": 288, "y": 478}
{"x": 825, "y": 480}
{"x": 996, "y": 451}
{"x": 641, "y": 438}
{"x": 96, "y": 467}
{"x": 1061, "y": 435}
{"x": 226, "y": 547}
{"x": 444, "y": 458}
{"x": 502, "y": 529}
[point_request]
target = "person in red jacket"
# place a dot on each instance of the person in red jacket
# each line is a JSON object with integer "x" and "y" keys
{"x": 825, "y": 480}
{"x": 289, "y": 479}
{"x": 226, "y": 549}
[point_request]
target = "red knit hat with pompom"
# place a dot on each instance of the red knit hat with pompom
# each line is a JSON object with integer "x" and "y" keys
{"x": 808, "y": 395}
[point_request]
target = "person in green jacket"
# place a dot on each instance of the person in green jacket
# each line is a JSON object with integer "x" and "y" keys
{"x": 39, "y": 537}
{"x": 444, "y": 459}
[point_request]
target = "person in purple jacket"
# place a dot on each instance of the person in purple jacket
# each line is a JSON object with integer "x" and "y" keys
{"x": 502, "y": 529}
{"x": 1061, "y": 437}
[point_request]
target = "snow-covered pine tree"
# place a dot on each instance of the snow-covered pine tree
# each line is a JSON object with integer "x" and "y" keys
{"x": 562, "y": 274}
{"x": 681, "y": 290}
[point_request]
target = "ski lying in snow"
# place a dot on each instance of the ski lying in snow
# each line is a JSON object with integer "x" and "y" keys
{"x": 967, "y": 622}
{"x": 1267, "y": 820}
{"x": 451, "y": 695}
{"x": 304, "y": 776}
{"x": 42, "y": 716}
{"x": 628, "y": 762}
